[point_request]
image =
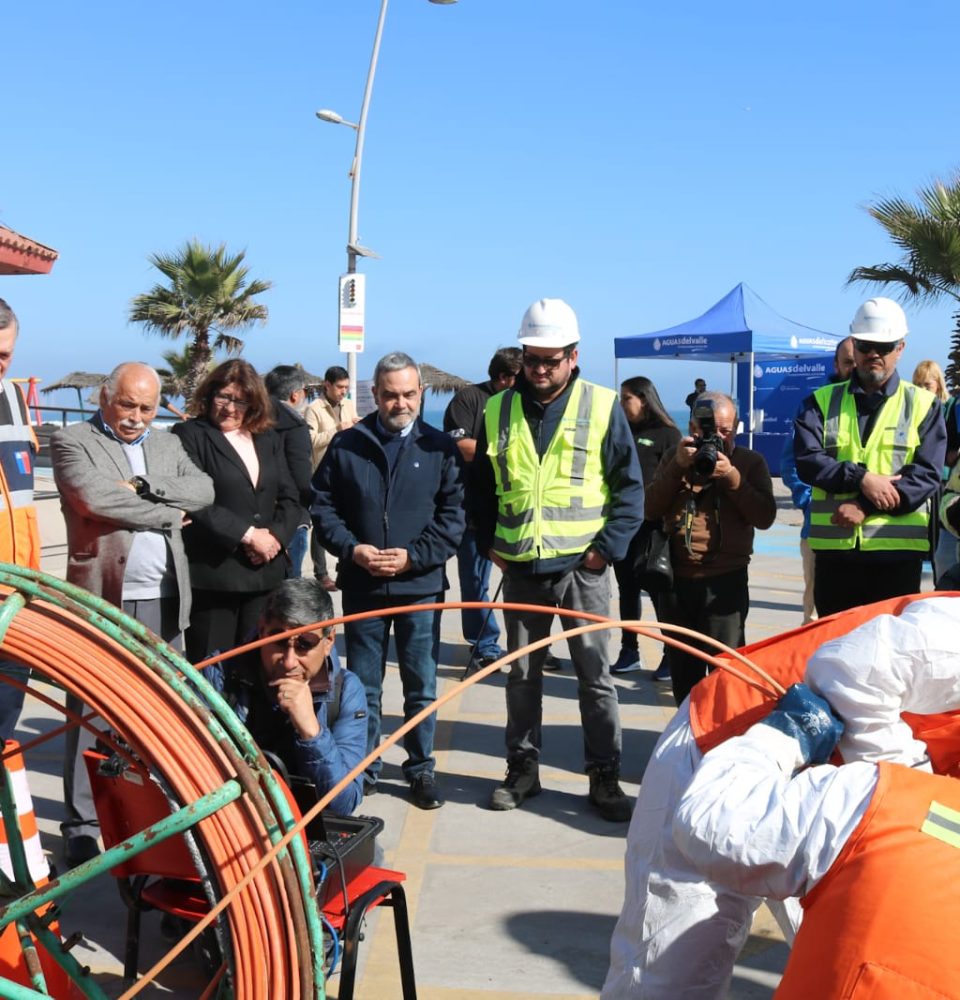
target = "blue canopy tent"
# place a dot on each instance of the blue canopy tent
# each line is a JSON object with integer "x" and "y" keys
{"x": 742, "y": 328}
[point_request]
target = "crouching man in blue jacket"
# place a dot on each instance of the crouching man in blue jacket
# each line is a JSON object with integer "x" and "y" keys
{"x": 295, "y": 697}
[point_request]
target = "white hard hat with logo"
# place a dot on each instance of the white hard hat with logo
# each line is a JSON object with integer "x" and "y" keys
{"x": 880, "y": 320}
{"x": 549, "y": 323}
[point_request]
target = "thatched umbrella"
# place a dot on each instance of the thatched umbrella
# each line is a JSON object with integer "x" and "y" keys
{"x": 439, "y": 381}
{"x": 78, "y": 381}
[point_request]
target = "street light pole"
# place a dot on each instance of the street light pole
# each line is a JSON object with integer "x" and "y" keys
{"x": 354, "y": 250}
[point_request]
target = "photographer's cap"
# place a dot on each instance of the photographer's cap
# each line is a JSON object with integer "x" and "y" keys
{"x": 549, "y": 323}
{"x": 880, "y": 320}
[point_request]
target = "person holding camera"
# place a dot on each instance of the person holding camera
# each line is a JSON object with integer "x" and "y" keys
{"x": 711, "y": 495}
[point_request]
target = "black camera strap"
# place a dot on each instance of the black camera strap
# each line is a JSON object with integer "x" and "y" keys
{"x": 690, "y": 508}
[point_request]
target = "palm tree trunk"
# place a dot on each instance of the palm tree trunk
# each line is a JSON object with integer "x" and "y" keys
{"x": 953, "y": 369}
{"x": 200, "y": 355}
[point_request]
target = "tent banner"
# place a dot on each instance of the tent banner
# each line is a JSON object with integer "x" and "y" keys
{"x": 779, "y": 387}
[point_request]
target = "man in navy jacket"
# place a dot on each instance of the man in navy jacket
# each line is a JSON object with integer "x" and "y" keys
{"x": 388, "y": 501}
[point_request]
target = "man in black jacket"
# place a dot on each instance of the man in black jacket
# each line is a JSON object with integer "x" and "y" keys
{"x": 288, "y": 390}
{"x": 388, "y": 501}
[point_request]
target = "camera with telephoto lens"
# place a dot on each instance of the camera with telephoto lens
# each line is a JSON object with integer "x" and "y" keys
{"x": 708, "y": 444}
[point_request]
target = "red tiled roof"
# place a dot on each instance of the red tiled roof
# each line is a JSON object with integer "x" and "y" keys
{"x": 21, "y": 255}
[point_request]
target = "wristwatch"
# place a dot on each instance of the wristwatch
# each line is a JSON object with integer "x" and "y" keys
{"x": 139, "y": 484}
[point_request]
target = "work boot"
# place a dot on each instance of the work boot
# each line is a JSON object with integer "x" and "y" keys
{"x": 606, "y": 795}
{"x": 522, "y": 782}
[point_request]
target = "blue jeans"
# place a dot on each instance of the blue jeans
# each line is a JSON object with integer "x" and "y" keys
{"x": 297, "y": 549}
{"x": 11, "y": 700}
{"x": 480, "y": 628}
{"x": 417, "y": 636}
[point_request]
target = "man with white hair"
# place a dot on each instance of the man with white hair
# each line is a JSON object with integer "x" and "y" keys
{"x": 126, "y": 492}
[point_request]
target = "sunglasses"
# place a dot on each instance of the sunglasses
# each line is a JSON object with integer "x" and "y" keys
{"x": 547, "y": 364}
{"x": 870, "y": 347}
{"x": 303, "y": 644}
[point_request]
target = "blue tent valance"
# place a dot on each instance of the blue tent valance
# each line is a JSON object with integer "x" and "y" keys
{"x": 741, "y": 324}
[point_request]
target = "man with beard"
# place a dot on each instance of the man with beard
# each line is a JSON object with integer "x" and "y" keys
{"x": 557, "y": 496}
{"x": 126, "y": 492}
{"x": 872, "y": 449}
{"x": 388, "y": 501}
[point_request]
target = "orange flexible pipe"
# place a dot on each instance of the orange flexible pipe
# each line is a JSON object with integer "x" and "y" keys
{"x": 635, "y": 625}
{"x": 166, "y": 733}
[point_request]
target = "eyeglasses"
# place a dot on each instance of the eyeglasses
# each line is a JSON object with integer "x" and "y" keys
{"x": 223, "y": 400}
{"x": 871, "y": 347}
{"x": 302, "y": 644}
{"x": 533, "y": 362}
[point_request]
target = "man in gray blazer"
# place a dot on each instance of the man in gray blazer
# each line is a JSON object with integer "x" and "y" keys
{"x": 126, "y": 492}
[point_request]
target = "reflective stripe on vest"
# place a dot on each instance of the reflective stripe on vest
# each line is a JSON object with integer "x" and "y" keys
{"x": 892, "y": 444}
{"x": 881, "y": 924}
{"x": 552, "y": 506}
{"x": 19, "y": 537}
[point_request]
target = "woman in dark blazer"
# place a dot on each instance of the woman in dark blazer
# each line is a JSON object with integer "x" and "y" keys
{"x": 237, "y": 546}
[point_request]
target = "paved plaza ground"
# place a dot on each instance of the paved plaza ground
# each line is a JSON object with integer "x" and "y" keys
{"x": 503, "y": 905}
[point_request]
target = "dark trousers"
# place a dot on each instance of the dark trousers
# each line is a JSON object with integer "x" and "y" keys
{"x": 80, "y": 818}
{"x": 221, "y": 620}
{"x": 853, "y": 577}
{"x": 631, "y": 603}
{"x": 716, "y": 606}
{"x": 319, "y": 556}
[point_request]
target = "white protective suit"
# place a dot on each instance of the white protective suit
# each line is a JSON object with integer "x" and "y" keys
{"x": 679, "y": 934}
{"x": 744, "y": 821}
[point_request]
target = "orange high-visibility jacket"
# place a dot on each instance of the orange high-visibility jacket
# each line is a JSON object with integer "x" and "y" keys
{"x": 722, "y": 705}
{"x": 19, "y": 533}
{"x": 882, "y": 923}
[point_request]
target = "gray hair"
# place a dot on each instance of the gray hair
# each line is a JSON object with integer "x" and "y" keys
{"x": 110, "y": 383}
{"x": 300, "y": 601}
{"x": 283, "y": 381}
{"x": 395, "y": 361}
{"x": 8, "y": 318}
{"x": 718, "y": 399}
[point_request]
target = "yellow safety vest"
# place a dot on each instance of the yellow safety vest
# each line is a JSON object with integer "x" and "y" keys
{"x": 554, "y": 506}
{"x": 892, "y": 444}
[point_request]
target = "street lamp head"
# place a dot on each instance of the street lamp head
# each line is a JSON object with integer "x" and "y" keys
{"x": 326, "y": 115}
{"x": 443, "y": 1}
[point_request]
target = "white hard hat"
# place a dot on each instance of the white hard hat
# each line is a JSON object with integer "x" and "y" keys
{"x": 880, "y": 320}
{"x": 549, "y": 323}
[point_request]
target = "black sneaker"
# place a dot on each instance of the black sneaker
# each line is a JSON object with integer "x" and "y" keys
{"x": 552, "y": 662}
{"x": 424, "y": 793}
{"x": 80, "y": 849}
{"x": 522, "y": 782}
{"x": 606, "y": 795}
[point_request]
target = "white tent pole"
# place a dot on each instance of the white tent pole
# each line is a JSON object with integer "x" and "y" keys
{"x": 750, "y": 435}
{"x": 616, "y": 372}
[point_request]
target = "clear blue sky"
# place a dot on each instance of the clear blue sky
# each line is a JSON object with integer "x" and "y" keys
{"x": 637, "y": 160}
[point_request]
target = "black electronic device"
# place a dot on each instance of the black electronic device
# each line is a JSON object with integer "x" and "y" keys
{"x": 708, "y": 443}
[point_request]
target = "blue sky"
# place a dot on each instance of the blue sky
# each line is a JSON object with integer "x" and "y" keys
{"x": 637, "y": 161}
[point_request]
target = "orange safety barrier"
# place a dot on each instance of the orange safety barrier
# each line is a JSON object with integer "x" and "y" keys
{"x": 12, "y": 962}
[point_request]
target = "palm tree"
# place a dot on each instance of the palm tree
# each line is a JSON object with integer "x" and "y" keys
{"x": 208, "y": 294}
{"x": 173, "y": 378}
{"x": 928, "y": 234}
